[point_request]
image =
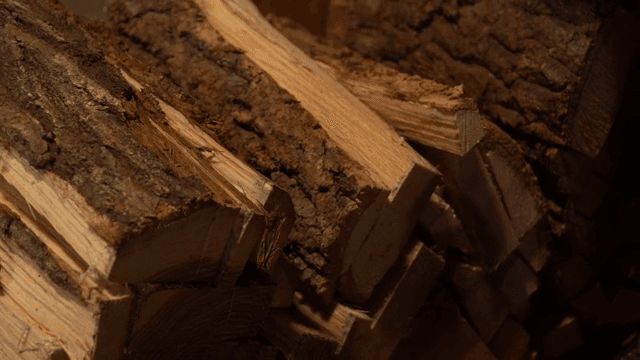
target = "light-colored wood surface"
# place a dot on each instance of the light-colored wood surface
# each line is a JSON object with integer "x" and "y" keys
{"x": 260, "y": 238}
{"x": 357, "y": 130}
{"x": 127, "y": 200}
{"x": 418, "y": 109}
{"x": 46, "y": 306}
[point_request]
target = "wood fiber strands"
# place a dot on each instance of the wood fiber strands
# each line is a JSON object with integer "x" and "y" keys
{"x": 352, "y": 179}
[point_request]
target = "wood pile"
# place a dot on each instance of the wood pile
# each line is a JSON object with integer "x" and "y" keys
{"x": 195, "y": 180}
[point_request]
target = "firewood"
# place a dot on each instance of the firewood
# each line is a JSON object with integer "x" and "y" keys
{"x": 369, "y": 182}
{"x": 179, "y": 321}
{"x": 516, "y": 282}
{"x": 571, "y": 275}
{"x": 511, "y": 342}
{"x": 443, "y": 225}
{"x": 47, "y": 304}
{"x": 421, "y": 110}
{"x": 125, "y": 197}
{"x": 440, "y": 332}
{"x": 514, "y": 178}
{"x": 264, "y": 249}
{"x": 565, "y": 76}
{"x": 564, "y": 337}
{"x": 533, "y": 246}
{"x": 586, "y": 237}
{"x": 297, "y": 338}
{"x": 592, "y": 305}
{"x": 394, "y": 303}
{"x": 597, "y": 309}
{"x": 337, "y": 320}
{"x": 480, "y": 298}
{"x": 477, "y": 202}
{"x": 624, "y": 309}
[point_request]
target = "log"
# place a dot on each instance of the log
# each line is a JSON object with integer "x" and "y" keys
{"x": 511, "y": 342}
{"x": 420, "y": 110}
{"x": 179, "y": 321}
{"x": 47, "y": 305}
{"x": 440, "y": 331}
{"x": 493, "y": 178}
{"x": 560, "y": 66}
{"x": 571, "y": 275}
{"x": 394, "y": 303}
{"x": 516, "y": 282}
{"x": 365, "y": 191}
{"x": 533, "y": 246}
{"x": 564, "y": 337}
{"x": 443, "y": 225}
{"x": 263, "y": 249}
{"x": 477, "y": 202}
{"x": 297, "y": 338}
{"x": 480, "y": 298}
{"x": 87, "y": 164}
{"x": 515, "y": 179}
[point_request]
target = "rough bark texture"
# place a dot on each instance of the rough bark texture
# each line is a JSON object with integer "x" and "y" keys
{"x": 419, "y": 109}
{"x": 54, "y": 73}
{"x": 532, "y": 66}
{"x": 245, "y": 110}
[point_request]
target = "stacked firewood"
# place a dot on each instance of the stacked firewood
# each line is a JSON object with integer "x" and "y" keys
{"x": 192, "y": 180}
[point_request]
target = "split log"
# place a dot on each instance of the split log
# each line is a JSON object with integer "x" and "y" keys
{"x": 516, "y": 282}
{"x": 394, "y": 303}
{"x": 356, "y": 208}
{"x": 533, "y": 246}
{"x": 511, "y": 342}
{"x": 421, "y": 110}
{"x": 564, "y": 337}
{"x": 47, "y": 305}
{"x": 595, "y": 307}
{"x": 494, "y": 192}
{"x": 559, "y": 66}
{"x": 82, "y": 156}
{"x": 444, "y": 226}
{"x": 477, "y": 201}
{"x": 297, "y": 338}
{"x": 440, "y": 332}
{"x": 571, "y": 275}
{"x": 179, "y": 322}
{"x": 264, "y": 248}
{"x": 515, "y": 179}
{"x": 479, "y": 298}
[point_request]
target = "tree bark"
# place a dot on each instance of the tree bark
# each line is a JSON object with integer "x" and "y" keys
{"x": 559, "y": 66}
